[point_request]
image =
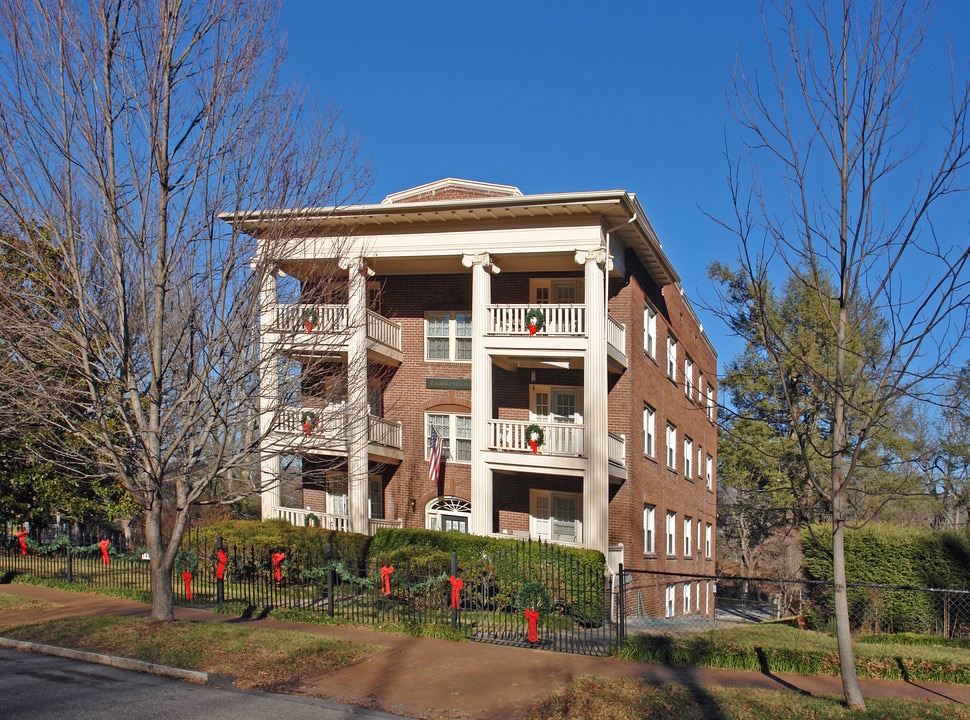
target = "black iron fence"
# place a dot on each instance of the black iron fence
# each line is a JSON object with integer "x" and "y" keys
{"x": 532, "y": 594}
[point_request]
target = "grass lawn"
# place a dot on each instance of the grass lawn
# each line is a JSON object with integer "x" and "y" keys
{"x": 9, "y": 603}
{"x": 259, "y": 659}
{"x": 628, "y": 699}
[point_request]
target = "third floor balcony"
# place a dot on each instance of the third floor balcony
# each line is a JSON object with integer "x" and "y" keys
{"x": 324, "y": 330}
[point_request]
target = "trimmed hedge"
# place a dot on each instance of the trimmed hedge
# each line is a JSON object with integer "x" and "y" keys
{"x": 891, "y": 555}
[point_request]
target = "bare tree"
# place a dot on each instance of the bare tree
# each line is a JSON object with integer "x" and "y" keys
{"x": 828, "y": 192}
{"x": 127, "y": 127}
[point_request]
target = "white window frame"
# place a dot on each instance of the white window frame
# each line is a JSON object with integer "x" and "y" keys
{"x": 670, "y": 601}
{"x": 338, "y": 502}
{"x": 551, "y": 391}
{"x": 687, "y": 591}
{"x": 689, "y": 378}
{"x": 708, "y": 540}
{"x": 710, "y": 402}
{"x": 688, "y": 456}
{"x": 671, "y": 446}
{"x": 649, "y": 529}
{"x": 709, "y": 471}
{"x": 671, "y": 533}
{"x": 453, "y": 337}
{"x": 649, "y": 431}
{"x": 688, "y": 535}
{"x": 650, "y": 331}
{"x": 700, "y": 461}
{"x": 672, "y": 357}
{"x": 450, "y": 439}
{"x": 375, "y": 497}
{"x": 549, "y": 285}
{"x": 441, "y": 512}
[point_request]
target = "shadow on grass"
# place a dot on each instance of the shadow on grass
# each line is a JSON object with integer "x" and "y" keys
{"x": 905, "y": 673}
{"x": 766, "y": 670}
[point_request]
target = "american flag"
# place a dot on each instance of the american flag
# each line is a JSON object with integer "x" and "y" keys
{"x": 434, "y": 463}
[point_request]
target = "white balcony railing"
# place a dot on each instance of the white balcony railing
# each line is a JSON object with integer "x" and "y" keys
{"x": 330, "y": 423}
{"x": 322, "y": 320}
{"x": 568, "y": 319}
{"x": 617, "y": 449}
{"x": 330, "y": 521}
{"x": 616, "y": 333}
{"x": 559, "y": 438}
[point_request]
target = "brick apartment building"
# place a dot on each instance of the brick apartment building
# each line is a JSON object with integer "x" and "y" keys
{"x": 382, "y": 322}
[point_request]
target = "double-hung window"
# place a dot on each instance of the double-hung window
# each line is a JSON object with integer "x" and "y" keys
{"x": 456, "y": 435}
{"x": 708, "y": 540}
{"x": 671, "y": 446}
{"x": 649, "y": 430}
{"x": 689, "y": 378}
{"x": 671, "y": 533}
{"x": 688, "y": 457}
{"x": 649, "y": 529}
{"x": 650, "y": 331}
{"x": 672, "y": 358}
{"x": 448, "y": 337}
{"x": 688, "y": 533}
{"x": 709, "y": 472}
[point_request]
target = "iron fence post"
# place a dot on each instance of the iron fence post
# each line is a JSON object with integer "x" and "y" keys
{"x": 621, "y": 626}
{"x": 220, "y": 582}
{"x": 70, "y": 564}
{"x": 330, "y": 573}
{"x": 454, "y": 574}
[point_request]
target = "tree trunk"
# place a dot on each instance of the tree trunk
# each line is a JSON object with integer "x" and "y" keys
{"x": 160, "y": 565}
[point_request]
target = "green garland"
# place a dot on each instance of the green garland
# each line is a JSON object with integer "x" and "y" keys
{"x": 540, "y": 435}
{"x": 533, "y": 596}
{"x": 537, "y": 315}
{"x": 309, "y": 418}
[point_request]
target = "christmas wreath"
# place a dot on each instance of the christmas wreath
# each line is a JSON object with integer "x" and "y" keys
{"x": 533, "y": 596}
{"x": 309, "y": 421}
{"x": 540, "y": 436}
{"x": 311, "y": 520}
{"x": 310, "y": 318}
{"x": 535, "y": 320}
{"x": 187, "y": 561}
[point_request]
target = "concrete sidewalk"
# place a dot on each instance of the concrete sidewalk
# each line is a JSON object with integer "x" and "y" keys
{"x": 424, "y": 678}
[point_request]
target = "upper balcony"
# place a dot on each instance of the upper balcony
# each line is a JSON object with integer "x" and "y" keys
{"x": 507, "y": 328}
{"x": 324, "y": 331}
{"x": 568, "y": 441}
{"x": 324, "y": 430}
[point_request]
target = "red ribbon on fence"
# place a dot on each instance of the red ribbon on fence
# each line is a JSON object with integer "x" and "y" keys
{"x": 221, "y": 559}
{"x": 22, "y": 537}
{"x": 456, "y": 585}
{"x": 386, "y": 571}
{"x": 104, "y": 551}
{"x": 277, "y": 571}
{"x": 187, "y": 579}
{"x": 533, "y": 617}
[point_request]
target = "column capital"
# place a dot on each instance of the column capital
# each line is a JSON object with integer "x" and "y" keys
{"x": 358, "y": 263}
{"x": 600, "y": 256}
{"x": 483, "y": 259}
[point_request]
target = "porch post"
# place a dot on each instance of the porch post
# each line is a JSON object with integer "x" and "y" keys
{"x": 481, "y": 369}
{"x": 596, "y": 479}
{"x": 357, "y": 409}
{"x": 269, "y": 388}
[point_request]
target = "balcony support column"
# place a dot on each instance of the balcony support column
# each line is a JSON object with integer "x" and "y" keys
{"x": 482, "y": 267}
{"x": 596, "y": 480}
{"x": 357, "y": 408}
{"x": 269, "y": 387}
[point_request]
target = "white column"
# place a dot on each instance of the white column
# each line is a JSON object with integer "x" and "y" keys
{"x": 269, "y": 390}
{"x": 357, "y": 408}
{"x": 481, "y": 499}
{"x": 596, "y": 480}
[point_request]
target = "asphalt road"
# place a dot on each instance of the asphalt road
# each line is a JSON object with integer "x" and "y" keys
{"x": 39, "y": 687}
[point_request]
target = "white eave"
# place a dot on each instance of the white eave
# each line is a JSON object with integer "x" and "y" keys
{"x": 616, "y": 208}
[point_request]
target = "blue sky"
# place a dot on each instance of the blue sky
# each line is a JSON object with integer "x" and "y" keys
{"x": 561, "y": 96}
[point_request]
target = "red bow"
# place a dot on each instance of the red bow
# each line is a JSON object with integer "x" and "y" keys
{"x": 534, "y": 444}
{"x": 104, "y": 551}
{"x": 187, "y": 579}
{"x": 533, "y": 617}
{"x": 277, "y": 559}
{"x": 386, "y": 571}
{"x": 456, "y": 585}
{"x": 22, "y": 536}
{"x": 221, "y": 559}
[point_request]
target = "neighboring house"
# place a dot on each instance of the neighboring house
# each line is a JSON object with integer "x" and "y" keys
{"x": 414, "y": 315}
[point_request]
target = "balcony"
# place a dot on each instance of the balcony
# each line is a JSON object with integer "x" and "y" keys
{"x": 324, "y": 430}
{"x": 324, "y": 330}
{"x": 330, "y": 521}
{"x": 507, "y": 328}
{"x": 562, "y": 440}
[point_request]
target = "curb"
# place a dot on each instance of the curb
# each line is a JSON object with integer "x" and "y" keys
{"x": 192, "y": 676}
